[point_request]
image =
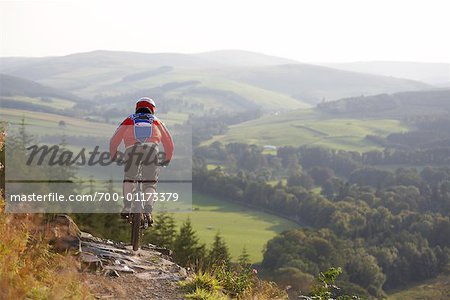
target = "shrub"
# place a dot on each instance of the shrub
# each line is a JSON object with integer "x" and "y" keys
{"x": 201, "y": 294}
{"x": 236, "y": 281}
{"x": 201, "y": 281}
{"x": 222, "y": 282}
{"x": 325, "y": 287}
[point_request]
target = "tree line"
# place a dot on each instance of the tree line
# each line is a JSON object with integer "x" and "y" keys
{"x": 385, "y": 228}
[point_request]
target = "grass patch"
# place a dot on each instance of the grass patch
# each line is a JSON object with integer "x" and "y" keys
{"x": 239, "y": 226}
{"x": 38, "y": 123}
{"x": 48, "y": 124}
{"x": 276, "y": 181}
{"x": 211, "y": 166}
{"x": 313, "y": 128}
{"x": 236, "y": 282}
{"x": 28, "y": 267}
{"x": 438, "y": 288}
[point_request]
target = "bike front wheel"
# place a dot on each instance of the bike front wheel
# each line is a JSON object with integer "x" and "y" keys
{"x": 135, "y": 230}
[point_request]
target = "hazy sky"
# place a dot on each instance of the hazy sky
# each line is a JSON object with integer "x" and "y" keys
{"x": 308, "y": 31}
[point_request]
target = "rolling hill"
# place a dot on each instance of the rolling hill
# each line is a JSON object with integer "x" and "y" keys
{"x": 27, "y": 95}
{"x": 313, "y": 128}
{"x": 224, "y": 79}
{"x": 397, "y": 106}
{"x": 243, "y": 58}
{"x": 432, "y": 73}
{"x": 314, "y": 84}
{"x": 342, "y": 124}
{"x": 15, "y": 86}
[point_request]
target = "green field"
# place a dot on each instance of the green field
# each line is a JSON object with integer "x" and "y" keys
{"x": 48, "y": 124}
{"x": 240, "y": 226}
{"x": 311, "y": 127}
{"x": 45, "y": 101}
{"x": 434, "y": 289}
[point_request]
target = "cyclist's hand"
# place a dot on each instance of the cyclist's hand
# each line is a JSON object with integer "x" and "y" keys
{"x": 165, "y": 163}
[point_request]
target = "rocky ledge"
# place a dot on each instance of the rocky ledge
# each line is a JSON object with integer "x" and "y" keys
{"x": 113, "y": 270}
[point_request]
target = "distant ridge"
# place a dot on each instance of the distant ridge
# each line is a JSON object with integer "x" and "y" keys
{"x": 398, "y": 106}
{"x": 15, "y": 86}
{"x": 226, "y": 79}
{"x": 313, "y": 84}
{"x": 243, "y": 58}
{"x": 432, "y": 73}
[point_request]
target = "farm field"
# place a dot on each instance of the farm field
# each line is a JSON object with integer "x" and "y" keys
{"x": 313, "y": 128}
{"x": 239, "y": 226}
{"x": 48, "y": 124}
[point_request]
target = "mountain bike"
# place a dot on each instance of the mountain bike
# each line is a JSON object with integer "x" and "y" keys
{"x": 137, "y": 217}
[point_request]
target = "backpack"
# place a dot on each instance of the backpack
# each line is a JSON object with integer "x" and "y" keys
{"x": 143, "y": 126}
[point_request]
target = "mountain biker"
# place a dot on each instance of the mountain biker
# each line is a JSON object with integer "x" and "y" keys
{"x": 141, "y": 133}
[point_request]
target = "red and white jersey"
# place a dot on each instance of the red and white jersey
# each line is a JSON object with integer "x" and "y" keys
{"x": 126, "y": 131}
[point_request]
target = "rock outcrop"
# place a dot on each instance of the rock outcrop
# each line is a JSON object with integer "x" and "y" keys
{"x": 113, "y": 270}
{"x": 63, "y": 234}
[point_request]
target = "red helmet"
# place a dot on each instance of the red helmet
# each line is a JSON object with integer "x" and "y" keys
{"x": 146, "y": 102}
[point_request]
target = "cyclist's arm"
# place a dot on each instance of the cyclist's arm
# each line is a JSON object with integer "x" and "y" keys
{"x": 118, "y": 137}
{"x": 166, "y": 140}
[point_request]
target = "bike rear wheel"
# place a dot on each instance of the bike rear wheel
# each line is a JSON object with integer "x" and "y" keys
{"x": 135, "y": 230}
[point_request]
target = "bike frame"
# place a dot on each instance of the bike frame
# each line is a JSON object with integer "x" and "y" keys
{"x": 137, "y": 219}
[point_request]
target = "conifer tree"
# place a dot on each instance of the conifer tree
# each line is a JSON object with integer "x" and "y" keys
{"x": 219, "y": 253}
{"x": 187, "y": 249}
{"x": 244, "y": 258}
{"x": 163, "y": 232}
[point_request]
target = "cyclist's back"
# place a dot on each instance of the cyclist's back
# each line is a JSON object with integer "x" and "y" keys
{"x": 141, "y": 133}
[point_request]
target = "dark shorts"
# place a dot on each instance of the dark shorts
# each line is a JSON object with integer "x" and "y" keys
{"x": 147, "y": 155}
